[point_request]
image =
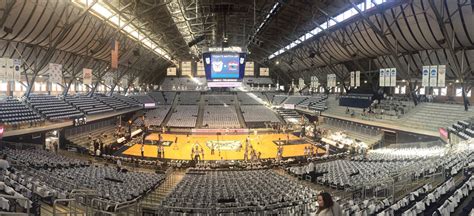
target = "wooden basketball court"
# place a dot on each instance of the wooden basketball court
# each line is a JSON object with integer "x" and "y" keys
{"x": 261, "y": 143}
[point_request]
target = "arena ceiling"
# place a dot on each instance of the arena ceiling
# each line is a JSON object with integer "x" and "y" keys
{"x": 155, "y": 34}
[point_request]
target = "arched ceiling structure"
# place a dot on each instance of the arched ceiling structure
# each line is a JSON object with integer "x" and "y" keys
{"x": 405, "y": 34}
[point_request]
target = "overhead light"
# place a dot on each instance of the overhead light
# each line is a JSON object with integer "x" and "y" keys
{"x": 457, "y": 81}
{"x": 365, "y": 81}
{"x": 277, "y": 62}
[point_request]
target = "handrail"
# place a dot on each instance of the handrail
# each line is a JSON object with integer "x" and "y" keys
{"x": 60, "y": 200}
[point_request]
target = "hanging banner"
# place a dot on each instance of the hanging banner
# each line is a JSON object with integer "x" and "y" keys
{"x": 16, "y": 69}
{"x": 114, "y": 54}
{"x": 86, "y": 76}
{"x": 264, "y": 71}
{"x": 382, "y": 78}
{"x": 441, "y": 75}
{"x": 249, "y": 69}
{"x": 200, "y": 69}
{"x": 301, "y": 83}
{"x": 10, "y": 70}
{"x": 387, "y": 77}
{"x": 425, "y": 73}
{"x": 171, "y": 71}
{"x": 55, "y": 73}
{"x": 330, "y": 81}
{"x": 433, "y": 75}
{"x": 3, "y": 69}
{"x": 352, "y": 79}
{"x": 393, "y": 77}
{"x": 357, "y": 79}
{"x": 186, "y": 68}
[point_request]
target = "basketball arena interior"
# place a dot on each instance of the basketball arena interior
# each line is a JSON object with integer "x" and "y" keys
{"x": 236, "y": 107}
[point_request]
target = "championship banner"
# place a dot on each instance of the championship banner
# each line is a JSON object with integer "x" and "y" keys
{"x": 10, "y": 70}
{"x": 352, "y": 79}
{"x": 357, "y": 78}
{"x": 433, "y": 75}
{"x": 249, "y": 69}
{"x": 55, "y": 74}
{"x": 441, "y": 75}
{"x": 382, "y": 78}
{"x": 329, "y": 81}
{"x": 387, "y": 77}
{"x": 393, "y": 77}
{"x": 425, "y": 81}
{"x": 301, "y": 83}
{"x": 171, "y": 71}
{"x": 16, "y": 69}
{"x": 200, "y": 69}
{"x": 115, "y": 54}
{"x": 86, "y": 76}
{"x": 3, "y": 69}
{"x": 186, "y": 68}
{"x": 264, "y": 72}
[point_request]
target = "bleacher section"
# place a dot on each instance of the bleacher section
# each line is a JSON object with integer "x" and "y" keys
{"x": 220, "y": 117}
{"x": 88, "y": 105}
{"x": 184, "y": 116}
{"x": 189, "y": 98}
{"x": 157, "y": 97}
{"x": 250, "y": 98}
{"x": 52, "y": 108}
{"x": 294, "y": 100}
{"x": 238, "y": 193}
{"x": 55, "y": 176}
{"x": 432, "y": 116}
{"x": 367, "y": 134}
{"x": 290, "y": 116}
{"x": 219, "y": 99}
{"x": 343, "y": 174}
{"x": 461, "y": 130}
{"x": 255, "y": 115}
{"x": 169, "y": 97}
{"x": 113, "y": 102}
{"x": 14, "y": 112}
{"x": 425, "y": 116}
{"x": 315, "y": 102}
{"x": 155, "y": 117}
{"x": 142, "y": 99}
{"x": 278, "y": 99}
{"x": 183, "y": 84}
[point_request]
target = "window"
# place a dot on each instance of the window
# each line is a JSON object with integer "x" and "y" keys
{"x": 422, "y": 91}
{"x": 403, "y": 90}
{"x": 444, "y": 91}
{"x": 397, "y": 90}
{"x": 435, "y": 91}
{"x": 19, "y": 87}
{"x": 3, "y": 86}
{"x": 459, "y": 93}
{"x": 37, "y": 87}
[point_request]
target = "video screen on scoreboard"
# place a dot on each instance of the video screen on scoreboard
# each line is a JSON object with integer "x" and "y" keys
{"x": 225, "y": 66}
{"x": 221, "y": 66}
